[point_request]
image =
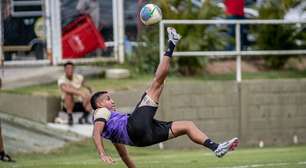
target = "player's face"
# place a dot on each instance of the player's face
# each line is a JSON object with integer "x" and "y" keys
{"x": 69, "y": 71}
{"x": 108, "y": 102}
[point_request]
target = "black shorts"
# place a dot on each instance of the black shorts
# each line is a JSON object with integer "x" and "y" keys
{"x": 78, "y": 107}
{"x": 142, "y": 128}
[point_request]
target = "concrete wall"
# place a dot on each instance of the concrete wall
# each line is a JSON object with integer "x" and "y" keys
{"x": 213, "y": 106}
{"x": 272, "y": 111}
{"x": 36, "y": 108}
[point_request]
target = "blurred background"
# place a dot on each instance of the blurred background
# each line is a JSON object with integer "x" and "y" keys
{"x": 234, "y": 74}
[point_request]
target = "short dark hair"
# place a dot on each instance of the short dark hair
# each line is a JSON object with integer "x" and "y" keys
{"x": 94, "y": 97}
{"x": 68, "y": 63}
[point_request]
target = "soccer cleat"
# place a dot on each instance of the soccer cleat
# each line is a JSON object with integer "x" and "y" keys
{"x": 173, "y": 35}
{"x": 226, "y": 146}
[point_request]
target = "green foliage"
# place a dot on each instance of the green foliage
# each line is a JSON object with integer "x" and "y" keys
{"x": 146, "y": 57}
{"x": 276, "y": 37}
{"x": 195, "y": 38}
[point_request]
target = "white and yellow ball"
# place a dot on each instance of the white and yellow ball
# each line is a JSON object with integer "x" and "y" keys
{"x": 150, "y": 14}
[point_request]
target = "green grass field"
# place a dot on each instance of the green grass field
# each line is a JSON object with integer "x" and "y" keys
{"x": 83, "y": 155}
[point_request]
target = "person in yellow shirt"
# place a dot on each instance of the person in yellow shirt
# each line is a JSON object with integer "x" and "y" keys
{"x": 75, "y": 94}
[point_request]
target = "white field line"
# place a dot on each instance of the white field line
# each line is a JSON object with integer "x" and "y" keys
{"x": 302, "y": 163}
{"x": 264, "y": 165}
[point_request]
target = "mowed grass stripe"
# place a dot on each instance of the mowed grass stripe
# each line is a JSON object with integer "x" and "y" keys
{"x": 83, "y": 154}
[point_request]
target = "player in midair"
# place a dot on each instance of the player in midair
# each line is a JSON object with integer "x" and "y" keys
{"x": 140, "y": 128}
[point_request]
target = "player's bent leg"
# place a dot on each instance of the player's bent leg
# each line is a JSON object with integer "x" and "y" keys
{"x": 86, "y": 103}
{"x": 85, "y": 99}
{"x": 69, "y": 103}
{"x": 190, "y": 129}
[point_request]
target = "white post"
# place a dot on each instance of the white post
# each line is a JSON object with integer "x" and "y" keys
{"x": 161, "y": 54}
{"x": 161, "y": 40}
{"x": 1, "y": 42}
{"x": 115, "y": 29}
{"x": 121, "y": 33}
{"x": 47, "y": 17}
{"x": 238, "y": 50}
{"x": 56, "y": 29}
{"x": 1, "y": 38}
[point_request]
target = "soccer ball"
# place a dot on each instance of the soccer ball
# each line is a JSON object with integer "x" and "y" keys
{"x": 150, "y": 14}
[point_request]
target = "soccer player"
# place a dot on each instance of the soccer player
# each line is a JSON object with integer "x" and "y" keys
{"x": 140, "y": 128}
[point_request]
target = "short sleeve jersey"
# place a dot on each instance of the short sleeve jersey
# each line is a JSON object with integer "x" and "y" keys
{"x": 76, "y": 81}
{"x": 115, "y": 128}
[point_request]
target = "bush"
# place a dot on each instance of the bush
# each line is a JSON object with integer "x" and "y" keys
{"x": 277, "y": 37}
{"x": 146, "y": 57}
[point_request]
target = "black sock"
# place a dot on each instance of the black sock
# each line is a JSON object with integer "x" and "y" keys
{"x": 85, "y": 114}
{"x": 170, "y": 49}
{"x": 210, "y": 144}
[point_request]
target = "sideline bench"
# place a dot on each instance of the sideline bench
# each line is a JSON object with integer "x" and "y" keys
{"x": 10, "y": 48}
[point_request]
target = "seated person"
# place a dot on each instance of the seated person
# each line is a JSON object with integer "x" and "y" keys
{"x": 75, "y": 94}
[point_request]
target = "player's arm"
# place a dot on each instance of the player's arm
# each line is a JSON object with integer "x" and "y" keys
{"x": 123, "y": 153}
{"x": 98, "y": 128}
{"x": 65, "y": 87}
{"x": 70, "y": 89}
{"x": 101, "y": 116}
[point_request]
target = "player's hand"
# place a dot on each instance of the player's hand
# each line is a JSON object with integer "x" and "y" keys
{"x": 107, "y": 159}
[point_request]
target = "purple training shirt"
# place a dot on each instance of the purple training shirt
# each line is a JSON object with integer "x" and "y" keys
{"x": 115, "y": 129}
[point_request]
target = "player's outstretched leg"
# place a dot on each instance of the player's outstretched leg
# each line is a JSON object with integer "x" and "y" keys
{"x": 226, "y": 146}
{"x": 188, "y": 128}
{"x": 173, "y": 36}
{"x": 154, "y": 91}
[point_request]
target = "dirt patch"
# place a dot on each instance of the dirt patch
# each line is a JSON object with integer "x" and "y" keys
{"x": 252, "y": 65}
{"x": 229, "y": 66}
{"x": 296, "y": 63}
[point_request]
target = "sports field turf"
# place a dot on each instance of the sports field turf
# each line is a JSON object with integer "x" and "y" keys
{"x": 83, "y": 155}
